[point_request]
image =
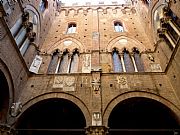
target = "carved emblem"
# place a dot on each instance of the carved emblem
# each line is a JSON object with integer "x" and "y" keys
{"x": 16, "y": 109}
{"x": 69, "y": 81}
{"x": 122, "y": 82}
{"x": 96, "y": 119}
{"x": 58, "y": 82}
{"x": 96, "y": 84}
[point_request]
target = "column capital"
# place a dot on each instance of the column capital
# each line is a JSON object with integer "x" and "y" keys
{"x": 6, "y": 130}
{"x": 97, "y": 130}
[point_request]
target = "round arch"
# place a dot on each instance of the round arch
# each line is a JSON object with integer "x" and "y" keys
{"x": 128, "y": 95}
{"x": 73, "y": 43}
{"x": 122, "y": 42}
{"x": 66, "y": 96}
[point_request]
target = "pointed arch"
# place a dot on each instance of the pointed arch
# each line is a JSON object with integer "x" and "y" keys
{"x": 122, "y": 42}
{"x": 68, "y": 42}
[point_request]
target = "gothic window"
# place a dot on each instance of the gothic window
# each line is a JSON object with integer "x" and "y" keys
{"x": 53, "y": 63}
{"x": 43, "y": 5}
{"x": 64, "y": 64}
{"x": 71, "y": 28}
{"x": 118, "y": 27}
{"x": 138, "y": 62}
{"x": 128, "y": 61}
{"x": 74, "y": 62}
{"x": 116, "y": 61}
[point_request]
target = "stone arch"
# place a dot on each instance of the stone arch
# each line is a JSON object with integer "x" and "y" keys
{"x": 66, "y": 96}
{"x": 117, "y": 8}
{"x": 5, "y": 71}
{"x": 65, "y": 11}
{"x": 35, "y": 11}
{"x": 109, "y": 8}
{"x": 120, "y": 98}
{"x": 122, "y": 42}
{"x": 88, "y": 9}
{"x": 71, "y": 11}
{"x": 61, "y": 45}
{"x": 80, "y": 9}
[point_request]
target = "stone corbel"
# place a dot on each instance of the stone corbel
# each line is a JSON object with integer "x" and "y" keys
{"x": 32, "y": 36}
{"x": 25, "y": 18}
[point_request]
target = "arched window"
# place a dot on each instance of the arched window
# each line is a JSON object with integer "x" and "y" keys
{"x": 139, "y": 65}
{"x": 71, "y": 28}
{"x": 64, "y": 64}
{"x": 43, "y": 5}
{"x": 118, "y": 27}
{"x": 74, "y": 62}
{"x": 128, "y": 61}
{"x": 54, "y": 61}
{"x": 116, "y": 61}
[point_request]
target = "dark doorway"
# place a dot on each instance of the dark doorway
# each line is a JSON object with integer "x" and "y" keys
{"x": 52, "y": 117}
{"x": 4, "y": 97}
{"x": 142, "y": 116}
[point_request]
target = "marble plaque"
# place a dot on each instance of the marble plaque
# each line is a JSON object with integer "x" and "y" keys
{"x": 86, "y": 64}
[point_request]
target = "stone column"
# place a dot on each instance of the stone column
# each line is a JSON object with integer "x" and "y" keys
{"x": 122, "y": 61}
{"x": 58, "y": 64}
{"x": 96, "y": 130}
{"x": 69, "y": 62}
{"x": 174, "y": 27}
{"x": 134, "y": 63}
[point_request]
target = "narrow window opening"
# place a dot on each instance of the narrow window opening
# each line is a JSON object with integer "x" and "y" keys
{"x": 71, "y": 28}
{"x": 116, "y": 61}
{"x": 118, "y": 27}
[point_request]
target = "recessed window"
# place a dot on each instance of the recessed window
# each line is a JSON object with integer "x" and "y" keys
{"x": 118, "y": 27}
{"x": 71, "y": 28}
{"x": 43, "y": 5}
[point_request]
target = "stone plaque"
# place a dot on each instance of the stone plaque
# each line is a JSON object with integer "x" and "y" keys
{"x": 67, "y": 83}
{"x": 36, "y": 64}
{"x": 86, "y": 64}
{"x": 58, "y": 82}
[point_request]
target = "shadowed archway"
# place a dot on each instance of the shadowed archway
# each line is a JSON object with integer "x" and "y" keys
{"x": 52, "y": 116}
{"x": 136, "y": 114}
{"x": 4, "y": 97}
